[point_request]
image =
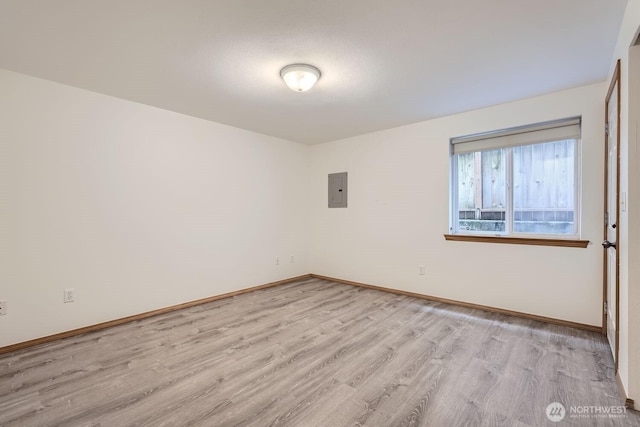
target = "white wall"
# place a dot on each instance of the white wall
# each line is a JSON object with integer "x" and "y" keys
{"x": 629, "y": 245}
{"x": 139, "y": 208}
{"x": 399, "y": 207}
{"x": 135, "y": 207}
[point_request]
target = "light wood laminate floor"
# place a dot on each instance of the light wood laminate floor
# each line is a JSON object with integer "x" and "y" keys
{"x": 313, "y": 353}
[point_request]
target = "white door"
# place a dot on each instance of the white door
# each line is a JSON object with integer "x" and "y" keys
{"x": 612, "y": 184}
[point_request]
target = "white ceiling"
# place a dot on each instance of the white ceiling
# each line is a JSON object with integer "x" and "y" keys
{"x": 384, "y": 63}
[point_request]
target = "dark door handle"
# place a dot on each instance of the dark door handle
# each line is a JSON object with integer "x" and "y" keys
{"x": 607, "y": 244}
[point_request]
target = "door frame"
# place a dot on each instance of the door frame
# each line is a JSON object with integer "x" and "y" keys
{"x": 615, "y": 84}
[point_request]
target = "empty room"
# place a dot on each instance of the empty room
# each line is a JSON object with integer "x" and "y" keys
{"x": 304, "y": 213}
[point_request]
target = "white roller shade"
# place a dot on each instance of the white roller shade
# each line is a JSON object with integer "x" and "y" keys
{"x": 557, "y": 130}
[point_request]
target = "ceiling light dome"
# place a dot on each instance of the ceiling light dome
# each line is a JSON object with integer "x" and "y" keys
{"x": 300, "y": 77}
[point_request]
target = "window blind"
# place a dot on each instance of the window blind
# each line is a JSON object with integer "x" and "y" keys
{"x": 556, "y": 130}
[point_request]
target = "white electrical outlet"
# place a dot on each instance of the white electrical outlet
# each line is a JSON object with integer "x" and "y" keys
{"x": 421, "y": 270}
{"x": 277, "y": 260}
{"x": 3, "y": 307}
{"x": 291, "y": 259}
{"x": 69, "y": 295}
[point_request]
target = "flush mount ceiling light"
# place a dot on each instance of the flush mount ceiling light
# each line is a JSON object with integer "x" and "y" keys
{"x": 300, "y": 77}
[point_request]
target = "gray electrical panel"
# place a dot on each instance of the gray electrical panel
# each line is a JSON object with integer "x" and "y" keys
{"x": 338, "y": 190}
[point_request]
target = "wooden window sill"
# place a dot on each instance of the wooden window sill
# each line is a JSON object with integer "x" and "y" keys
{"x": 518, "y": 240}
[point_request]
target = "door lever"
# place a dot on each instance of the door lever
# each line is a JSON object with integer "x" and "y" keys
{"x": 607, "y": 244}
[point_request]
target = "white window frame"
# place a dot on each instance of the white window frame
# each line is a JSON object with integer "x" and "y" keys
{"x": 508, "y": 138}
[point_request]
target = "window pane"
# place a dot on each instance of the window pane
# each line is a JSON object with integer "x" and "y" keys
{"x": 482, "y": 191}
{"x": 543, "y": 192}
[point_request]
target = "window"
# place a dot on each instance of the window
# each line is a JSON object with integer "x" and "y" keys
{"x": 519, "y": 182}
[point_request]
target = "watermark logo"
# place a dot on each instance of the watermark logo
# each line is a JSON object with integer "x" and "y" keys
{"x": 556, "y": 412}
